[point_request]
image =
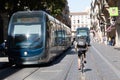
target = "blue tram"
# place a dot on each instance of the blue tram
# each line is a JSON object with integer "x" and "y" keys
{"x": 35, "y": 37}
{"x": 85, "y": 32}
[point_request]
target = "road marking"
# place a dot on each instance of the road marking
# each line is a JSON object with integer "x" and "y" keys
{"x": 117, "y": 72}
{"x": 52, "y": 71}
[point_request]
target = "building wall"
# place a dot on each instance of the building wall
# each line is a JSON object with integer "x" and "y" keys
{"x": 105, "y": 18}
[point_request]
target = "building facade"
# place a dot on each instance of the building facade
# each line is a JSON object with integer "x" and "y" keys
{"x": 101, "y": 19}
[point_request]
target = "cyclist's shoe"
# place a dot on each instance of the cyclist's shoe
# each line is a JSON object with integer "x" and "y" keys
{"x": 84, "y": 68}
{"x": 79, "y": 68}
{"x": 85, "y": 61}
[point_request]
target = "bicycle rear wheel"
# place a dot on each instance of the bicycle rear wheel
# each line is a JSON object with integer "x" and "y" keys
{"x": 82, "y": 64}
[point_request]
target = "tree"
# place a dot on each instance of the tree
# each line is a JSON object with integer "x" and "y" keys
{"x": 56, "y": 6}
{"x": 1, "y": 30}
{"x": 53, "y": 7}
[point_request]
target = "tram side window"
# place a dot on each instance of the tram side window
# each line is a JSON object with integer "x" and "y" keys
{"x": 68, "y": 38}
{"x": 64, "y": 37}
{"x": 58, "y": 35}
{"x": 51, "y": 34}
{"x": 55, "y": 35}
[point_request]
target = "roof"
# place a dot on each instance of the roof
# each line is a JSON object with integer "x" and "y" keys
{"x": 79, "y": 13}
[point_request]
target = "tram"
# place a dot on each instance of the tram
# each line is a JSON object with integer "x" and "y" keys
{"x": 35, "y": 37}
{"x": 85, "y": 32}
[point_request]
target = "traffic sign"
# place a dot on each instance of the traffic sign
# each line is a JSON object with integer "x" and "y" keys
{"x": 113, "y": 11}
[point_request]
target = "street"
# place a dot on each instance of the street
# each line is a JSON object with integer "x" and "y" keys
{"x": 59, "y": 69}
{"x": 103, "y": 63}
{"x": 33, "y": 32}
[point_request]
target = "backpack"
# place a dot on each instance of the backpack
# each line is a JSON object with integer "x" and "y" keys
{"x": 81, "y": 43}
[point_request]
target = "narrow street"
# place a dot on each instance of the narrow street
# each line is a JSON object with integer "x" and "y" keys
{"x": 103, "y": 63}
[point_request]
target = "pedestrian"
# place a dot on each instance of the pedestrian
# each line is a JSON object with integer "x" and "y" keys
{"x": 3, "y": 47}
{"x": 73, "y": 41}
{"x": 112, "y": 41}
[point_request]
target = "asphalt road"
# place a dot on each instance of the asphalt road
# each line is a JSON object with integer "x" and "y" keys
{"x": 103, "y": 63}
{"x": 59, "y": 69}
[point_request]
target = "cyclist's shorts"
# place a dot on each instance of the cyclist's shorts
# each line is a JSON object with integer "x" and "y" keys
{"x": 80, "y": 53}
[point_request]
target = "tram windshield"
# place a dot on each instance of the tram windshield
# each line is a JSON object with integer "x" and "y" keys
{"x": 26, "y": 31}
{"x": 26, "y": 36}
{"x": 82, "y": 33}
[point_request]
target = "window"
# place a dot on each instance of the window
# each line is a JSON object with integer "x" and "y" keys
{"x": 74, "y": 21}
{"x": 27, "y": 29}
{"x": 78, "y": 21}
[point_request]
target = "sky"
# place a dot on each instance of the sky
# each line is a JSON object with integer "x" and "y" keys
{"x": 78, "y": 5}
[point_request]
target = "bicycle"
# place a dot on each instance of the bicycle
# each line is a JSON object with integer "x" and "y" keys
{"x": 82, "y": 63}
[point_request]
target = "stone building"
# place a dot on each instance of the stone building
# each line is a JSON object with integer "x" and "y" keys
{"x": 101, "y": 19}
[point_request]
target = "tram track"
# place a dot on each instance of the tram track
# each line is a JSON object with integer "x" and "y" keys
{"x": 17, "y": 73}
{"x": 31, "y": 73}
{"x": 58, "y": 69}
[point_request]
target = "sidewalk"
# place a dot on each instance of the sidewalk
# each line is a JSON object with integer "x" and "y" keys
{"x": 111, "y": 53}
{"x": 3, "y": 61}
{"x": 103, "y": 62}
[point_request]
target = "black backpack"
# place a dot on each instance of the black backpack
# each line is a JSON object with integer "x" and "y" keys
{"x": 81, "y": 43}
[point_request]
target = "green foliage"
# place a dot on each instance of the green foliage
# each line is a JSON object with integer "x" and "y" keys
{"x": 55, "y": 7}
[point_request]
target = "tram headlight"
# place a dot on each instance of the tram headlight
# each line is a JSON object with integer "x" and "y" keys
{"x": 27, "y": 35}
{"x": 25, "y": 53}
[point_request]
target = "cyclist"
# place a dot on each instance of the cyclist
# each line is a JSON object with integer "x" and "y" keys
{"x": 81, "y": 46}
